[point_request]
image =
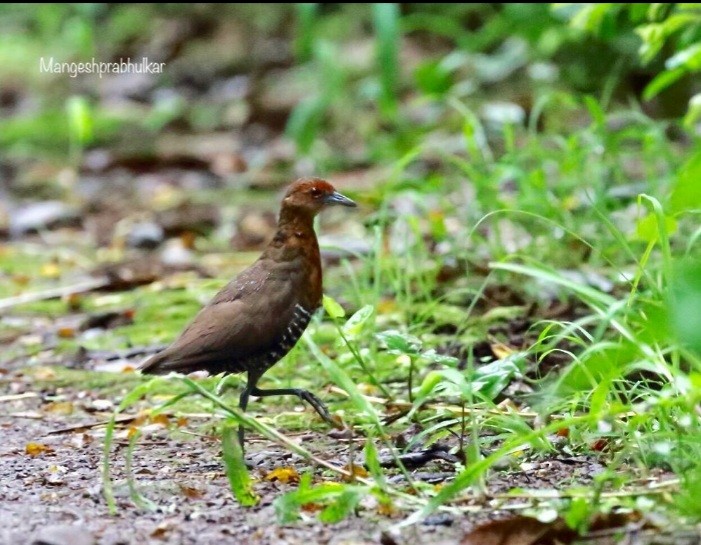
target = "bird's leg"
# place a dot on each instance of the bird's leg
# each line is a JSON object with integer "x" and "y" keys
{"x": 243, "y": 403}
{"x": 305, "y": 395}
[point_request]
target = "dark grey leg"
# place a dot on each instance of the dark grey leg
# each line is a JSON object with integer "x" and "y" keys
{"x": 243, "y": 403}
{"x": 305, "y": 395}
{"x": 251, "y": 381}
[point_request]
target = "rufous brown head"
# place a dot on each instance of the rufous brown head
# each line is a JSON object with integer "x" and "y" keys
{"x": 313, "y": 194}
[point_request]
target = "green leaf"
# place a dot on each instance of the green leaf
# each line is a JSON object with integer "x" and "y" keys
{"x": 648, "y": 229}
{"x": 654, "y": 35}
{"x": 339, "y": 498}
{"x": 688, "y": 58}
{"x": 399, "y": 343}
{"x": 236, "y": 470}
{"x": 355, "y": 324}
{"x": 433, "y": 357}
{"x": 433, "y": 77}
{"x": 693, "y": 114}
{"x": 486, "y": 381}
{"x": 343, "y": 505}
{"x": 372, "y": 461}
{"x": 662, "y": 81}
{"x": 685, "y": 302}
{"x": 686, "y": 193}
{"x": 603, "y": 362}
{"x": 332, "y": 308}
{"x": 429, "y": 384}
{"x": 287, "y": 506}
{"x": 140, "y": 501}
{"x": 138, "y": 392}
{"x": 491, "y": 379}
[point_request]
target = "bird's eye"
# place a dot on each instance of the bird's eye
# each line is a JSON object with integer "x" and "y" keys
{"x": 315, "y": 192}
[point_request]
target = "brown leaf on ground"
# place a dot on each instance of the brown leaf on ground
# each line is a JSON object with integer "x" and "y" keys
{"x": 520, "y": 530}
{"x": 190, "y": 491}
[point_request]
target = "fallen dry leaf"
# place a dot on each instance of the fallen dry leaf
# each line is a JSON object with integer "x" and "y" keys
{"x": 386, "y": 509}
{"x": 190, "y": 491}
{"x": 500, "y": 350}
{"x": 63, "y": 408}
{"x": 312, "y": 507}
{"x": 35, "y": 449}
{"x": 161, "y": 419}
{"x": 66, "y": 332}
{"x": 520, "y": 530}
{"x": 283, "y": 475}
{"x": 356, "y": 471}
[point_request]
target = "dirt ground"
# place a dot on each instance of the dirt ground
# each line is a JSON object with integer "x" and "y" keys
{"x": 55, "y": 496}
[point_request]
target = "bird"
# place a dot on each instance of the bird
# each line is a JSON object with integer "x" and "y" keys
{"x": 259, "y": 316}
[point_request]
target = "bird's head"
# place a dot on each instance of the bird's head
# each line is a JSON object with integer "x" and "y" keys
{"x": 310, "y": 195}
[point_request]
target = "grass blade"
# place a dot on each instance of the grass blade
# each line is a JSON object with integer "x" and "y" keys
{"x": 386, "y": 21}
{"x": 236, "y": 471}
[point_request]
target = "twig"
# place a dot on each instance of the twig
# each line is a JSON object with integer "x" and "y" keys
{"x": 656, "y": 488}
{"x": 89, "y": 425}
{"x": 452, "y": 408}
{"x": 54, "y": 293}
{"x": 18, "y": 397}
{"x": 32, "y": 415}
{"x": 125, "y": 419}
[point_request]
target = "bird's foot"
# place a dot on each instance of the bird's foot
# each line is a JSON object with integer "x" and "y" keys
{"x": 321, "y": 409}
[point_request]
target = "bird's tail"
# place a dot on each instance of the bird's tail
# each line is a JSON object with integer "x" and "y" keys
{"x": 161, "y": 364}
{"x": 166, "y": 362}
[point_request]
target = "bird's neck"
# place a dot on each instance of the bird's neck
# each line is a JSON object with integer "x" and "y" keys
{"x": 295, "y": 235}
{"x": 295, "y": 243}
{"x": 295, "y": 218}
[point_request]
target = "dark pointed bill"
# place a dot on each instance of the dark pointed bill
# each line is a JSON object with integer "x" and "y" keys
{"x": 337, "y": 198}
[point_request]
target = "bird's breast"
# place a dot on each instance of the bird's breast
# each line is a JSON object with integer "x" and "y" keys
{"x": 285, "y": 341}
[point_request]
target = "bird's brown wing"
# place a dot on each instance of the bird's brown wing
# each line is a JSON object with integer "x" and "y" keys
{"x": 244, "y": 323}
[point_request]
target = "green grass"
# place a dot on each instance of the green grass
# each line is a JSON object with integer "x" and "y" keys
{"x": 579, "y": 224}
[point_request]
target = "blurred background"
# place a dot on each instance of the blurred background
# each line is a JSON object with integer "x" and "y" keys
{"x": 252, "y": 96}
{"x": 433, "y": 116}
{"x": 528, "y": 180}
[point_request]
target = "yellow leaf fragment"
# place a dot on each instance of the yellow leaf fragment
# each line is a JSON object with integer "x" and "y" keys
{"x": 283, "y": 475}
{"x": 63, "y": 408}
{"x": 35, "y": 449}
{"x": 161, "y": 419}
{"x": 501, "y": 351}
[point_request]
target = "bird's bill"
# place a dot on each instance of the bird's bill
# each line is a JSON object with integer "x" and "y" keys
{"x": 337, "y": 198}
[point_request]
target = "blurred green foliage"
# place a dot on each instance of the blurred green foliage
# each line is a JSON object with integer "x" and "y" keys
{"x": 613, "y": 51}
